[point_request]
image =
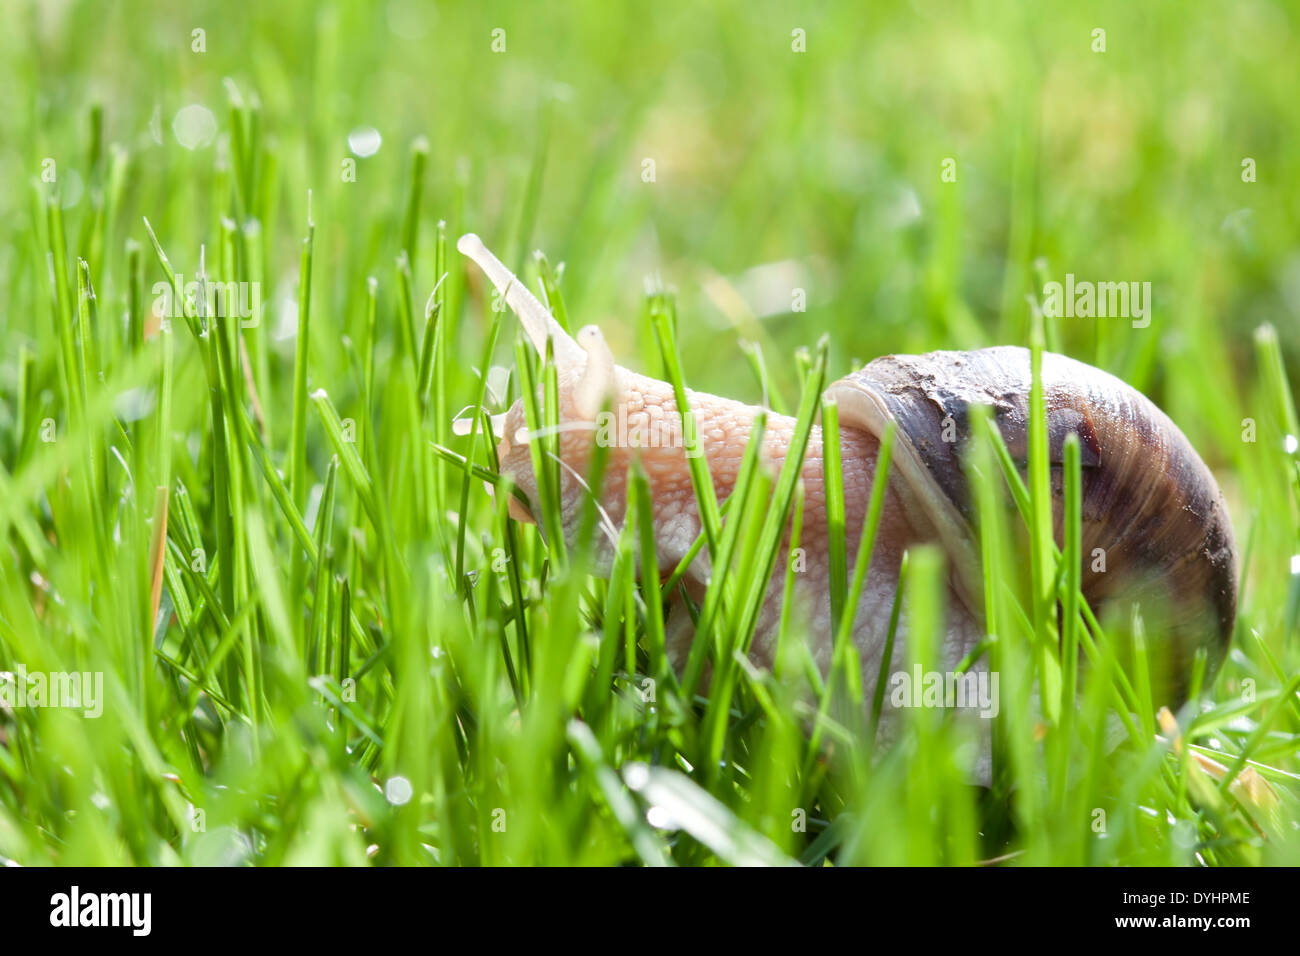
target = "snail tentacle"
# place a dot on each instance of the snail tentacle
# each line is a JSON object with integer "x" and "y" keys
{"x": 533, "y": 316}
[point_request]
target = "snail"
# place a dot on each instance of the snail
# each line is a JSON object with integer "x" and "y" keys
{"x": 1150, "y": 506}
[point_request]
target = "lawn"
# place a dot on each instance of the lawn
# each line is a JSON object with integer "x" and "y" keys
{"x": 236, "y": 335}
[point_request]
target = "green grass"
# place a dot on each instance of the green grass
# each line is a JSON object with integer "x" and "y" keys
{"x": 322, "y": 641}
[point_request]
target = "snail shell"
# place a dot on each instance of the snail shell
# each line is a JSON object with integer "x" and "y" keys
{"x": 1149, "y": 501}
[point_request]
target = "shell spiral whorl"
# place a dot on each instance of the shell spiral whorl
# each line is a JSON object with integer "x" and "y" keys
{"x": 1149, "y": 501}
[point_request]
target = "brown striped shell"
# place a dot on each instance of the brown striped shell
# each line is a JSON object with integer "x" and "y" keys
{"x": 1148, "y": 499}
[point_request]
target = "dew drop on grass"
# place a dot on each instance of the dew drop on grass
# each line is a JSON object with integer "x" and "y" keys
{"x": 194, "y": 126}
{"x": 660, "y": 819}
{"x": 365, "y": 141}
{"x": 397, "y": 791}
{"x": 636, "y": 776}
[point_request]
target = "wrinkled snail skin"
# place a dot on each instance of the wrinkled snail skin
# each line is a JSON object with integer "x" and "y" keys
{"x": 1149, "y": 502}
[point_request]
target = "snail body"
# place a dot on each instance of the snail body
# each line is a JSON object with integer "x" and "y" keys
{"x": 1151, "y": 507}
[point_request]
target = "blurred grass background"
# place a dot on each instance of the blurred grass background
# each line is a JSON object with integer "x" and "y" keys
{"x": 1115, "y": 165}
{"x": 773, "y": 169}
